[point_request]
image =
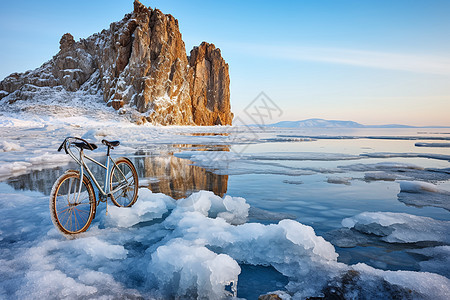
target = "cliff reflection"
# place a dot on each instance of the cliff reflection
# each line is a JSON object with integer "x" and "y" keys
{"x": 177, "y": 178}
{"x": 166, "y": 174}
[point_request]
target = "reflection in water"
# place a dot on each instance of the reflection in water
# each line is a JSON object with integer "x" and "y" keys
{"x": 177, "y": 178}
{"x": 41, "y": 181}
{"x": 170, "y": 175}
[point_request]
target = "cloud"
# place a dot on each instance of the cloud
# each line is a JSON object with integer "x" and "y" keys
{"x": 371, "y": 59}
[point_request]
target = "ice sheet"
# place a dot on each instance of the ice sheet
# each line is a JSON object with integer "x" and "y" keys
{"x": 162, "y": 248}
{"x": 191, "y": 248}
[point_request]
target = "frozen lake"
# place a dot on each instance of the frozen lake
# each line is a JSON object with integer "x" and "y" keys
{"x": 378, "y": 202}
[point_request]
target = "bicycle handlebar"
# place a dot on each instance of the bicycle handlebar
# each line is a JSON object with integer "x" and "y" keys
{"x": 62, "y": 145}
{"x": 67, "y": 142}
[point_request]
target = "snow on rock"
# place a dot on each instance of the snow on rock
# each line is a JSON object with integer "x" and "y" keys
{"x": 400, "y": 227}
{"x": 114, "y": 65}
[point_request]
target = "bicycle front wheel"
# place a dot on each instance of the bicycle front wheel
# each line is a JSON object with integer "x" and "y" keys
{"x": 72, "y": 209}
{"x": 124, "y": 183}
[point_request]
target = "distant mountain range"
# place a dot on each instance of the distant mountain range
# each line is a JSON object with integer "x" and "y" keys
{"x": 321, "y": 123}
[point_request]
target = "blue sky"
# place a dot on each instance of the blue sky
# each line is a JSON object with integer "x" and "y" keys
{"x": 373, "y": 62}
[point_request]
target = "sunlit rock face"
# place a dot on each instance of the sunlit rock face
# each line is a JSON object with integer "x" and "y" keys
{"x": 210, "y": 86}
{"x": 139, "y": 63}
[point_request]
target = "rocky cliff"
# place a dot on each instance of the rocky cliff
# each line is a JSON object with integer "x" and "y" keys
{"x": 140, "y": 63}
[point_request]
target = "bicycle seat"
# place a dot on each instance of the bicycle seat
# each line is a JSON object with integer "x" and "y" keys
{"x": 85, "y": 145}
{"x": 111, "y": 143}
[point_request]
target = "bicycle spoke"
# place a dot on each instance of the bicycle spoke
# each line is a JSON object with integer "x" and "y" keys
{"x": 68, "y": 191}
{"x": 64, "y": 210}
{"x": 67, "y": 221}
{"x": 83, "y": 218}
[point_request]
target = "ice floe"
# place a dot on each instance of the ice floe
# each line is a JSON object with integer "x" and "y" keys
{"x": 339, "y": 180}
{"x": 407, "y": 155}
{"x": 438, "y": 259}
{"x": 400, "y": 227}
{"x": 433, "y": 145}
{"x": 389, "y": 171}
{"x": 418, "y": 193}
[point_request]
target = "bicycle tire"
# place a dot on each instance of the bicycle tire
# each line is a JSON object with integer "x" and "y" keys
{"x": 69, "y": 214}
{"x": 124, "y": 173}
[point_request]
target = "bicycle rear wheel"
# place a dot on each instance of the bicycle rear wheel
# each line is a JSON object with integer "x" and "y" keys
{"x": 124, "y": 178}
{"x": 72, "y": 212}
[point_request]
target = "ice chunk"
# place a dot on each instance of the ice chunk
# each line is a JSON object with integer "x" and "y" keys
{"x": 400, "y": 227}
{"x": 339, "y": 180}
{"x": 232, "y": 209}
{"x": 417, "y": 285}
{"x": 184, "y": 269}
{"x": 305, "y": 237}
{"x": 149, "y": 206}
{"x": 418, "y": 187}
{"x": 236, "y": 210}
{"x": 9, "y": 146}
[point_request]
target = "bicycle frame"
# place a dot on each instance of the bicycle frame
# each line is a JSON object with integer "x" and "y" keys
{"x": 110, "y": 163}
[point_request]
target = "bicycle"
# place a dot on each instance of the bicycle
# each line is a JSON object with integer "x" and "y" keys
{"x": 73, "y": 201}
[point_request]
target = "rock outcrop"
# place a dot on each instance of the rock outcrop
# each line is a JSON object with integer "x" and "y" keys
{"x": 140, "y": 63}
{"x": 210, "y": 86}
